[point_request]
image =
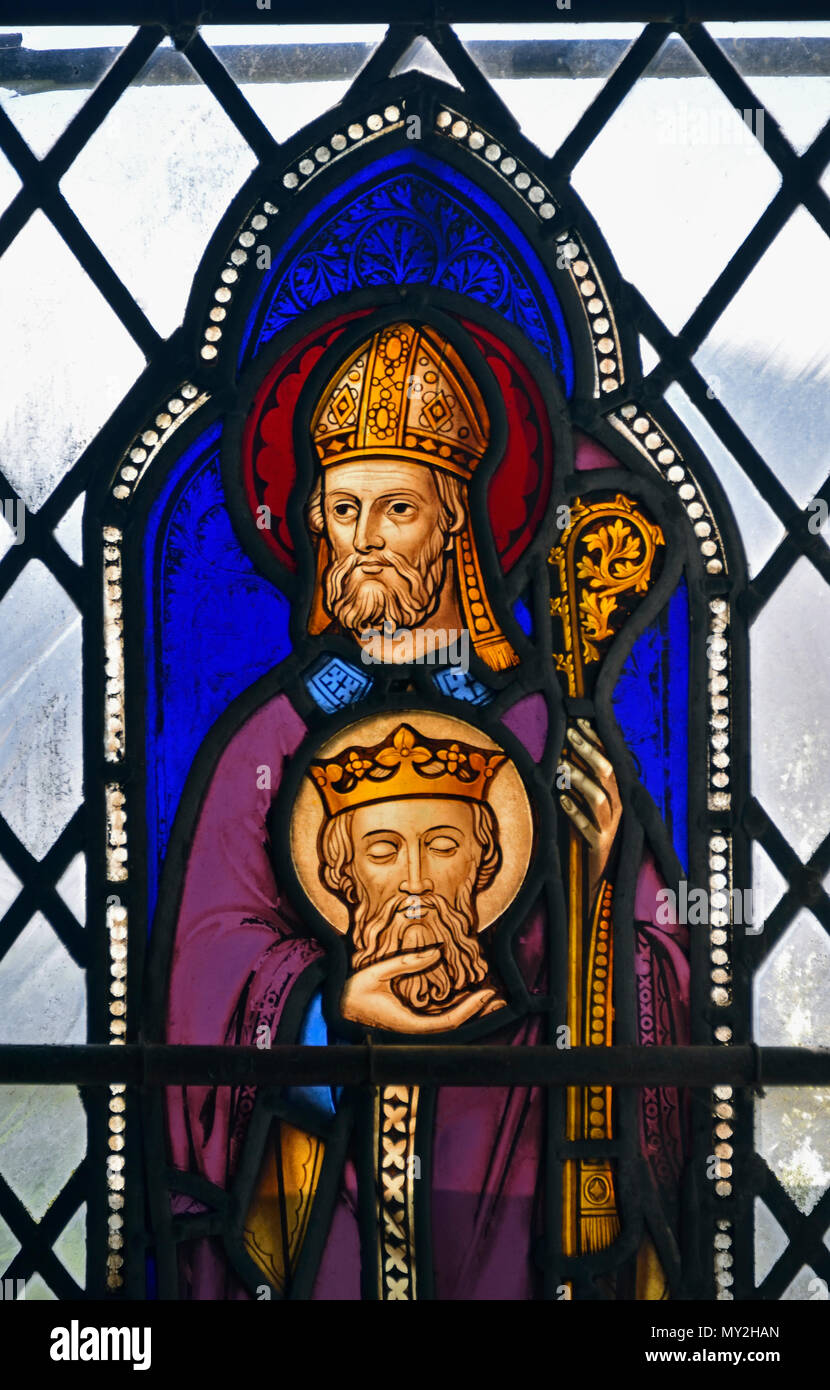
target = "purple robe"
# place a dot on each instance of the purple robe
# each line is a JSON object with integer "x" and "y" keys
{"x": 240, "y": 954}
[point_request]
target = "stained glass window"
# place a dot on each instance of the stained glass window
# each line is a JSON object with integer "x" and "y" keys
{"x": 413, "y": 812}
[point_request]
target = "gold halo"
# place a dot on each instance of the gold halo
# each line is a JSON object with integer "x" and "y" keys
{"x": 508, "y": 800}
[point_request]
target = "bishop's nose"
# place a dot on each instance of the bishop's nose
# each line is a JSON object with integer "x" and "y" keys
{"x": 367, "y": 533}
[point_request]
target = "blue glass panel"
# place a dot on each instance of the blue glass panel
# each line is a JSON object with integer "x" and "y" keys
{"x": 335, "y": 683}
{"x": 389, "y": 225}
{"x": 314, "y": 1033}
{"x": 460, "y": 685}
{"x": 651, "y": 702}
{"x": 523, "y": 616}
{"x": 214, "y": 626}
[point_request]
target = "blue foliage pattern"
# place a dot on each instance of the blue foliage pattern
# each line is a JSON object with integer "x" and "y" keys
{"x": 406, "y": 230}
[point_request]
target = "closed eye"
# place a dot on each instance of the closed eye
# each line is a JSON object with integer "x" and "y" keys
{"x": 443, "y": 844}
{"x": 382, "y": 851}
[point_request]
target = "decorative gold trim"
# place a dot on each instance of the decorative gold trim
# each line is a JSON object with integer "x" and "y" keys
{"x": 405, "y": 763}
{"x": 590, "y": 1219}
{"x": 624, "y": 543}
{"x": 396, "y": 1111}
{"x": 404, "y": 393}
{"x": 607, "y": 550}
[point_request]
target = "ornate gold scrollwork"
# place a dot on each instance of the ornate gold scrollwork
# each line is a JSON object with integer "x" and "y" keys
{"x": 608, "y": 550}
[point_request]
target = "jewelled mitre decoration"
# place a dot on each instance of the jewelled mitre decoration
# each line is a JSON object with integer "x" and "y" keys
{"x": 403, "y": 394}
{"x": 405, "y": 764}
{"x": 406, "y": 394}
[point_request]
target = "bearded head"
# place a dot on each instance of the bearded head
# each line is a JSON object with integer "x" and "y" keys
{"x": 410, "y": 873}
{"x": 399, "y": 430}
{"x": 389, "y": 530}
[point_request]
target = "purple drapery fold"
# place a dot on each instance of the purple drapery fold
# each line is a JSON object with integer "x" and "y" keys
{"x": 663, "y": 984}
{"x": 239, "y": 950}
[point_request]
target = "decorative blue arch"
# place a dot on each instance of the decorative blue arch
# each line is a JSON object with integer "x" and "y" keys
{"x": 410, "y": 219}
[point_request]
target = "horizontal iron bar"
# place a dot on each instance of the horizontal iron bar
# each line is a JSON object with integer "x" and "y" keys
{"x": 174, "y": 14}
{"x": 28, "y": 70}
{"x": 365, "y": 1064}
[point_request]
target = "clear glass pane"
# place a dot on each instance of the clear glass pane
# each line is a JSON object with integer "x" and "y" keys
{"x": 792, "y": 1134}
{"x": 40, "y": 701}
{"x": 805, "y": 1286}
{"x": 153, "y": 182}
{"x": 65, "y": 346}
{"x": 9, "y": 182}
{"x": 70, "y": 1246}
{"x": 9, "y": 887}
{"x": 422, "y": 56}
{"x": 768, "y": 885}
{"x": 44, "y": 84}
{"x": 43, "y": 990}
{"x": 548, "y": 78}
{"x": 72, "y": 887}
{"x": 34, "y": 1166}
{"x": 759, "y": 527}
{"x": 38, "y": 1291}
{"x": 790, "y": 677}
{"x": 291, "y": 74}
{"x": 766, "y": 357}
{"x": 676, "y": 181}
{"x": 794, "y": 86}
{"x": 792, "y": 1001}
{"x": 770, "y": 1241}
{"x": 69, "y": 530}
{"x": 9, "y": 1246}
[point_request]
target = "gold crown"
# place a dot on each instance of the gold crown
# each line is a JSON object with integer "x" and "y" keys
{"x": 403, "y": 393}
{"x": 405, "y": 763}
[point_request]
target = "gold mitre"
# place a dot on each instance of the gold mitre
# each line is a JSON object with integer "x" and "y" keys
{"x": 405, "y": 764}
{"x": 404, "y": 393}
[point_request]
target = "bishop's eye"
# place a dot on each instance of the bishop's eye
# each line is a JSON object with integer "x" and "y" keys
{"x": 382, "y": 851}
{"x": 444, "y": 845}
{"x": 344, "y": 511}
{"x": 401, "y": 510}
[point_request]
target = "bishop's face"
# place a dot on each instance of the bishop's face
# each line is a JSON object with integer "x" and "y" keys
{"x": 386, "y": 531}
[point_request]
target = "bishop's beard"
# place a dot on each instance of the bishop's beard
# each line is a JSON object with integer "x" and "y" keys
{"x": 452, "y": 928}
{"x": 403, "y": 594}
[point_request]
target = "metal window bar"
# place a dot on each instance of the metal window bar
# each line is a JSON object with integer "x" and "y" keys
{"x": 29, "y": 70}
{"x": 386, "y": 1064}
